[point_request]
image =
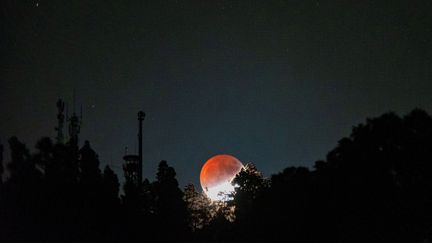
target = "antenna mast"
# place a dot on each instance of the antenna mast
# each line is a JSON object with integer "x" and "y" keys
{"x": 74, "y": 124}
{"x": 60, "y": 120}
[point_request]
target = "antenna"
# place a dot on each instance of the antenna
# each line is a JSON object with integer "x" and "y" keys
{"x": 74, "y": 123}
{"x": 60, "y": 120}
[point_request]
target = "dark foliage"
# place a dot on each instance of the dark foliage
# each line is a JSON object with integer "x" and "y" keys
{"x": 375, "y": 186}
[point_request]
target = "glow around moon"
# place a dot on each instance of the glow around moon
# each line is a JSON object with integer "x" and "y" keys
{"x": 216, "y": 175}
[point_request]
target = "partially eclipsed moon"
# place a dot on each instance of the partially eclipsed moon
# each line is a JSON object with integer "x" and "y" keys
{"x": 217, "y": 173}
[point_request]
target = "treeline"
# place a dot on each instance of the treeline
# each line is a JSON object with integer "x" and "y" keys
{"x": 375, "y": 186}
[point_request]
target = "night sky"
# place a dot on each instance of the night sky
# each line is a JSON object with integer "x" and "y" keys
{"x": 276, "y": 83}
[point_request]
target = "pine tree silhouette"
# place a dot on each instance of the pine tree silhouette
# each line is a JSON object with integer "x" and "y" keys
{"x": 374, "y": 186}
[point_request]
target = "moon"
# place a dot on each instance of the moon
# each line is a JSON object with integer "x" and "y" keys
{"x": 216, "y": 175}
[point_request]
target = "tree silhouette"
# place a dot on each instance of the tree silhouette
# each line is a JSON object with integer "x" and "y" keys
{"x": 89, "y": 165}
{"x": 170, "y": 208}
{"x": 249, "y": 185}
{"x": 380, "y": 173}
{"x": 374, "y": 186}
{"x": 199, "y": 207}
{"x": 20, "y": 199}
{"x": 1, "y": 164}
{"x": 111, "y": 185}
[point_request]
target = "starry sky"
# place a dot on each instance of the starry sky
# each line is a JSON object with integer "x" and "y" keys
{"x": 273, "y": 82}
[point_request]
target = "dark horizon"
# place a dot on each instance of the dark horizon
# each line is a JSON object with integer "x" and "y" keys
{"x": 117, "y": 167}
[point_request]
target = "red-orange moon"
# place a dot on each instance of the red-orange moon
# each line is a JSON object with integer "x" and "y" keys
{"x": 219, "y": 169}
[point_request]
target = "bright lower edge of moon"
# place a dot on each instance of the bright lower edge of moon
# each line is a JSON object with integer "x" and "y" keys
{"x": 220, "y": 192}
